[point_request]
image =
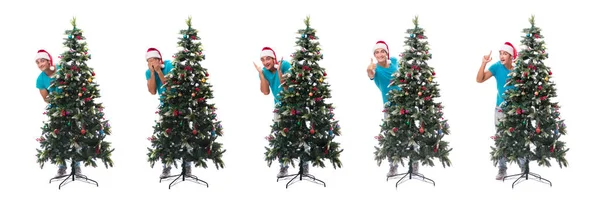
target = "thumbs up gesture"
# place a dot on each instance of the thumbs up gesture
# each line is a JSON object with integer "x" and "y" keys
{"x": 371, "y": 69}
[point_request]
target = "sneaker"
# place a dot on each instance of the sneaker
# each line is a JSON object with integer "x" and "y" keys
{"x": 61, "y": 172}
{"x": 415, "y": 168}
{"x": 501, "y": 174}
{"x": 393, "y": 171}
{"x": 166, "y": 172}
{"x": 282, "y": 172}
{"x": 77, "y": 170}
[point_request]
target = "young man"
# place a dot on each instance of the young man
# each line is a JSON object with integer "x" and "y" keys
{"x": 155, "y": 77}
{"x": 271, "y": 77}
{"x": 381, "y": 74}
{"x": 500, "y": 71}
{"x": 43, "y": 59}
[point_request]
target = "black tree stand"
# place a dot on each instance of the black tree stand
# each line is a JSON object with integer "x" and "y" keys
{"x": 73, "y": 176}
{"x": 525, "y": 176}
{"x": 410, "y": 174}
{"x": 300, "y": 175}
{"x": 183, "y": 177}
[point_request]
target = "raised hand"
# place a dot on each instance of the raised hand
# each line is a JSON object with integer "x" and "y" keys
{"x": 257, "y": 67}
{"x": 371, "y": 66}
{"x": 487, "y": 58}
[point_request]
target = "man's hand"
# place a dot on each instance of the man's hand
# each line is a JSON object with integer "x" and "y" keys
{"x": 258, "y": 69}
{"x": 371, "y": 69}
{"x": 279, "y": 64}
{"x": 151, "y": 67}
{"x": 487, "y": 58}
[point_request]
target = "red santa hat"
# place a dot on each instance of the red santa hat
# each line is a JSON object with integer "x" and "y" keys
{"x": 45, "y": 55}
{"x": 267, "y": 51}
{"x": 382, "y": 45}
{"x": 154, "y": 53}
{"x": 510, "y": 49}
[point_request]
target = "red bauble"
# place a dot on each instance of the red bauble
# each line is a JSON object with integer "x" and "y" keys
{"x": 395, "y": 129}
{"x": 324, "y": 74}
{"x": 312, "y": 131}
{"x": 82, "y": 131}
{"x": 194, "y": 132}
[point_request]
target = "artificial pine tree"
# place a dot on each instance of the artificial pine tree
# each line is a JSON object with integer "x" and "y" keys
{"x": 532, "y": 125}
{"x": 306, "y": 128}
{"x": 76, "y": 128}
{"x": 415, "y": 126}
{"x": 188, "y": 127}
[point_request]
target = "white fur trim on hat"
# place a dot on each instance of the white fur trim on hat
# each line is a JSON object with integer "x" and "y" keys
{"x": 381, "y": 46}
{"x": 266, "y": 51}
{"x": 508, "y": 49}
{"x": 42, "y": 55}
{"x": 153, "y": 54}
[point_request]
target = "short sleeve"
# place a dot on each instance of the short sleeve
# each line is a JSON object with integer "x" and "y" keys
{"x": 494, "y": 68}
{"x": 147, "y": 74}
{"x": 285, "y": 66}
{"x": 168, "y": 67}
{"x": 40, "y": 84}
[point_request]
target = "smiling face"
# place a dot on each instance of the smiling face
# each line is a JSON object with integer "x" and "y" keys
{"x": 43, "y": 64}
{"x": 268, "y": 62}
{"x": 381, "y": 55}
{"x": 505, "y": 58}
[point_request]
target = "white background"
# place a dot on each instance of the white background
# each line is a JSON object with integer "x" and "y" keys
{"x": 233, "y": 32}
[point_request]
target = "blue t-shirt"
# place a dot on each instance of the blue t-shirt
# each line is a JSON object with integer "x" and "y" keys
{"x": 159, "y": 85}
{"x": 500, "y": 72}
{"x": 43, "y": 82}
{"x": 274, "y": 81}
{"x": 383, "y": 76}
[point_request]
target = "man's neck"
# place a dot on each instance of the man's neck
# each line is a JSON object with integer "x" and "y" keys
{"x": 384, "y": 64}
{"x": 508, "y": 66}
{"x": 48, "y": 72}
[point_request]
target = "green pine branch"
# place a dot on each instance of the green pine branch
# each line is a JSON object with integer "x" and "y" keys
{"x": 306, "y": 127}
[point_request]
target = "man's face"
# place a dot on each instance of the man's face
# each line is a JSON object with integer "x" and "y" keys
{"x": 505, "y": 57}
{"x": 381, "y": 55}
{"x": 42, "y": 64}
{"x": 268, "y": 62}
{"x": 154, "y": 62}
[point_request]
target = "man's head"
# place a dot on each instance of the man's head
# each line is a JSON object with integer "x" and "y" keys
{"x": 154, "y": 57}
{"x": 507, "y": 53}
{"x": 268, "y": 58}
{"x": 44, "y": 60}
{"x": 381, "y": 52}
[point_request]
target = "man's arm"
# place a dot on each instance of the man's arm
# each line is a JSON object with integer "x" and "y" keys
{"x": 151, "y": 79}
{"x": 483, "y": 75}
{"x": 284, "y": 67}
{"x": 371, "y": 70}
{"x": 264, "y": 84}
{"x": 44, "y": 94}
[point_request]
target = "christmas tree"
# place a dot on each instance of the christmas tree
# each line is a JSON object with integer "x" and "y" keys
{"x": 415, "y": 126}
{"x": 76, "y": 127}
{"x": 306, "y": 127}
{"x": 188, "y": 127}
{"x": 532, "y": 125}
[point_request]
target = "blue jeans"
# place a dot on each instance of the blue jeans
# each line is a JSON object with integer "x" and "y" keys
{"x": 502, "y": 161}
{"x": 78, "y": 164}
{"x": 187, "y": 164}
